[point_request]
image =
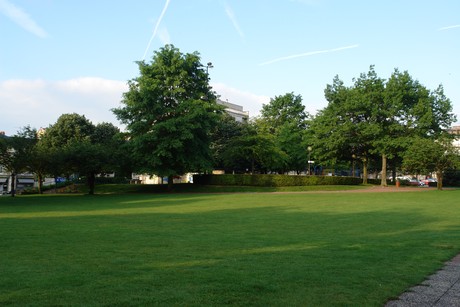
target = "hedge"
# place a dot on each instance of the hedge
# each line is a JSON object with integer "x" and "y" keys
{"x": 273, "y": 180}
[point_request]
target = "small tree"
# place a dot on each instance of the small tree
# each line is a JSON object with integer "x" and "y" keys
{"x": 16, "y": 152}
{"x": 427, "y": 155}
{"x": 76, "y": 146}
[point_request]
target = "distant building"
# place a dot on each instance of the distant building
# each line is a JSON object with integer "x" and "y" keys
{"x": 455, "y": 130}
{"x": 235, "y": 111}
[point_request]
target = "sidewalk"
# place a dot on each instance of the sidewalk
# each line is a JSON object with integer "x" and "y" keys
{"x": 440, "y": 289}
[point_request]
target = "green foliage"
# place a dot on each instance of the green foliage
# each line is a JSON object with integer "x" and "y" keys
{"x": 170, "y": 111}
{"x": 273, "y": 180}
{"x": 286, "y": 120}
{"x": 16, "y": 152}
{"x": 253, "y": 150}
{"x": 284, "y": 109}
{"x": 73, "y": 145}
{"x": 374, "y": 117}
{"x": 427, "y": 156}
{"x": 68, "y": 129}
{"x": 452, "y": 178}
{"x": 226, "y": 130}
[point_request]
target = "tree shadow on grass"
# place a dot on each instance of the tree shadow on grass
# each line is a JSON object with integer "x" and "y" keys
{"x": 264, "y": 255}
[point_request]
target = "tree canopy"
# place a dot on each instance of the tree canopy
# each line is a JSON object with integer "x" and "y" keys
{"x": 378, "y": 117}
{"x": 169, "y": 111}
{"x": 75, "y": 146}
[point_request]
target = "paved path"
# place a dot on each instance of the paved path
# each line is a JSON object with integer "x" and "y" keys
{"x": 441, "y": 289}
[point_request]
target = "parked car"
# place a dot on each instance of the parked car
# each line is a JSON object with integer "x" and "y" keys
{"x": 415, "y": 182}
{"x": 428, "y": 180}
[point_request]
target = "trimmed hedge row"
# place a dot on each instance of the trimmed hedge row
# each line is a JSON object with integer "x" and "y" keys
{"x": 273, "y": 180}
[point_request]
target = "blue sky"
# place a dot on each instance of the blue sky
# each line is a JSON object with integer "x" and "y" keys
{"x": 65, "y": 56}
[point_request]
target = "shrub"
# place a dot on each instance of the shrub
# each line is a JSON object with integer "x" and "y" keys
{"x": 273, "y": 180}
{"x": 452, "y": 178}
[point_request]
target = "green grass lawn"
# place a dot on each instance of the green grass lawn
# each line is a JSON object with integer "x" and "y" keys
{"x": 263, "y": 249}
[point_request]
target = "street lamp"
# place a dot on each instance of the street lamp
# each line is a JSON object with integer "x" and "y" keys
{"x": 353, "y": 156}
{"x": 209, "y": 65}
{"x": 309, "y": 148}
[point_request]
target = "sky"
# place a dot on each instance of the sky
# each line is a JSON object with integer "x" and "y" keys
{"x": 76, "y": 56}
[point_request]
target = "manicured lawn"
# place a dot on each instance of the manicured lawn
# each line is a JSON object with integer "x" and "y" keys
{"x": 264, "y": 249}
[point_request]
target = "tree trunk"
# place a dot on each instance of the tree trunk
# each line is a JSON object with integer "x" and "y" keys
{"x": 393, "y": 172}
{"x": 40, "y": 184}
{"x": 91, "y": 179}
{"x": 365, "y": 171}
{"x": 55, "y": 184}
{"x": 13, "y": 184}
{"x": 439, "y": 178}
{"x": 170, "y": 183}
{"x": 384, "y": 171}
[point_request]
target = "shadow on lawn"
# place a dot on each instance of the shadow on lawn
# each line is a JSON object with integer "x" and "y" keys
{"x": 161, "y": 253}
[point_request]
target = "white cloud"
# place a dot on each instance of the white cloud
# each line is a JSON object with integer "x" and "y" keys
{"x": 232, "y": 17}
{"x": 250, "y": 102}
{"x": 290, "y": 57}
{"x": 39, "y": 103}
{"x": 18, "y": 16}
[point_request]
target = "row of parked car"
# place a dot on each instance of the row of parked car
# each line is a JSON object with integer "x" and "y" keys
{"x": 423, "y": 182}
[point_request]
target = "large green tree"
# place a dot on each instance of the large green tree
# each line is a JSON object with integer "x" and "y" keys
{"x": 169, "y": 112}
{"x": 344, "y": 130}
{"x": 410, "y": 110}
{"x": 374, "y": 117}
{"x": 286, "y": 119}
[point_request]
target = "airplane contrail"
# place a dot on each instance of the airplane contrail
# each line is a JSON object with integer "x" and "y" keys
{"x": 231, "y": 16}
{"x": 21, "y": 18}
{"x": 449, "y": 27}
{"x": 289, "y": 57}
{"x": 156, "y": 28}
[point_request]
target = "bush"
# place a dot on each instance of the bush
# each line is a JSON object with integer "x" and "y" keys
{"x": 379, "y": 181}
{"x": 273, "y": 180}
{"x": 452, "y": 178}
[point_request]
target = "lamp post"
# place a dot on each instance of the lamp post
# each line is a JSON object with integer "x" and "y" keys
{"x": 309, "y": 148}
{"x": 353, "y": 156}
{"x": 209, "y": 65}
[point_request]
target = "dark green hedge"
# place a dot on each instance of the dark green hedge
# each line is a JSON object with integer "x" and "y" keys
{"x": 378, "y": 181}
{"x": 273, "y": 180}
{"x": 452, "y": 178}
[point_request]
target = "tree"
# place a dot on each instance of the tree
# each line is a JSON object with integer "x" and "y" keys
{"x": 428, "y": 155}
{"x": 98, "y": 155}
{"x": 253, "y": 150}
{"x": 285, "y": 118}
{"x": 374, "y": 117}
{"x": 411, "y": 110}
{"x": 169, "y": 111}
{"x": 69, "y": 130}
{"x": 40, "y": 163}
{"x": 16, "y": 152}
{"x": 284, "y": 109}
{"x": 346, "y": 127}
{"x": 225, "y": 131}
{"x": 76, "y": 146}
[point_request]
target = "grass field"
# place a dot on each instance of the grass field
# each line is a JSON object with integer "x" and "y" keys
{"x": 262, "y": 249}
